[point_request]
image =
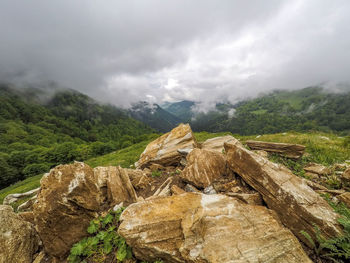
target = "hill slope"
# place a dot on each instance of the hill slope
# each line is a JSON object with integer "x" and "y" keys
{"x": 39, "y": 130}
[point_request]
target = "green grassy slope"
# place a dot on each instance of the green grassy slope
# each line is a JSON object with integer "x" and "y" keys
{"x": 324, "y": 148}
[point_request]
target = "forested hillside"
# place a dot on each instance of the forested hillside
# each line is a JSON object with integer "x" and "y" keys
{"x": 39, "y": 130}
{"x": 302, "y": 110}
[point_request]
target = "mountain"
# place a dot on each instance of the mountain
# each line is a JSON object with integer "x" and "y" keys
{"x": 182, "y": 109}
{"x": 154, "y": 116}
{"x": 311, "y": 108}
{"x": 40, "y": 128}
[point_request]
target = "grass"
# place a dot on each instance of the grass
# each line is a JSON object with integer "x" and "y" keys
{"x": 323, "y": 148}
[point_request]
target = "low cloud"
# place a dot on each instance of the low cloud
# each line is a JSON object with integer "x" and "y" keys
{"x": 206, "y": 51}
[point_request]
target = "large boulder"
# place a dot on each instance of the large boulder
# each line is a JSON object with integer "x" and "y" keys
{"x": 164, "y": 150}
{"x": 68, "y": 200}
{"x": 216, "y": 144}
{"x": 18, "y": 239}
{"x": 293, "y": 151}
{"x": 203, "y": 167}
{"x": 194, "y": 227}
{"x": 297, "y": 205}
{"x": 71, "y": 196}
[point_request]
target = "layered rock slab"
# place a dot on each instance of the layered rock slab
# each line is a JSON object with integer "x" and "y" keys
{"x": 297, "y": 205}
{"x": 293, "y": 151}
{"x": 194, "y": 227}
{"x": 18, "y": 239}
{"x": 203, "y": 167}
{"x": 216, "y": 144}
{"x": 164, "y": 150}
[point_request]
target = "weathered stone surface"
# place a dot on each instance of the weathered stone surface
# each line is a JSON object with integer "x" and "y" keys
{"x": 216, "y": 144}
{"x": 203, "y": 167}
{"x": 345, "y": 178}
{"x": 207, "y": 228}
{"x": 316, "y": 168}
{"x": 119, "y": 187}
{"x": 11, "y": 198}
{"x": 297, "y": 205}
{"x": 251, "y": 199}
{"x": 27, "y": 216}
{"x": 18, "y": 239}
{"x": 345, "y": 198}
{"x": 176, "y": 190}
{"x": 164, "y": 150}
{"x": 139, "y": 178}
{"x": 67, "y": 201}
{"x": 28, "y": 205}
{"x": 293, "y": 151}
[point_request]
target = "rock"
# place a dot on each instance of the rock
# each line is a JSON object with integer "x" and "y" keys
{"x": 209, "y": 190}
{"x": 251, "y": 199}
{"x": 297, "y": 205}
{"x": 119, "y": 187}
{"x": 71, "y": 196}
{"x": 262, "y": 153}
{"x": 340, "y": 166}
{"x": 138, "y": 178}
{"x": 27, "y": 206}
{"x": 164, "y": 150}
{"x": 176, "y": 190}
{"x": 216, "y": 144}
{"x": 345, "y": 178}
{"x": 312, "y": 176}
{"x": 156, "y": 167}
{"x": 11, "y": 198}
{"x": 293, "y": 151}
{"x": 191, "y": 189}
{"x": 345, "y": 198}
{"x": 18, "y": 239}
{"x": 223, "y": 187}
{"x": 207, "y": 228}
{"x": 27, "y": 216}
{"x": 317, "y": 169}
{"x": 68, "y": 200}
{"x": 203, "y": 167}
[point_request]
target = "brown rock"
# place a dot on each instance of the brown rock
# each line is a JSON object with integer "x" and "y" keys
{"x": 119, "y": 187}
{"x": 207, "y": 228}
{"x": 345, "y": 198}
{"x": 11, "y": 198}
{"x": 251, "y": 199}
{"x": 216, "y": 144}
{"x": 317, "y": 169}
{"x": 18, "y": 239}
{"x": 69, "y": 197}
{"x": 139, "y": 178}
{"x": 297, "y": 205}
{"x": 164, "y": 150}
{"x": 27, "y": 216}
{"x": 203, "y": 167}
{"x": 345, "y": 178}
{"x": 176, "y": 190}
{"x": 293, "y": 151}
{"x": 262, "y": 153}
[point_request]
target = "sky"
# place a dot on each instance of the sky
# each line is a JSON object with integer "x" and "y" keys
{"x": 207, "y": 51}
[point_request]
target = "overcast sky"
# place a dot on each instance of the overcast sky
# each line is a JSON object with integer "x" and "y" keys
{"x": 170, "y": 50}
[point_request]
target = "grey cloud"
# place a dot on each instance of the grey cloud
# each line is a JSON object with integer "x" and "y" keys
{"x": 125, "y": 51}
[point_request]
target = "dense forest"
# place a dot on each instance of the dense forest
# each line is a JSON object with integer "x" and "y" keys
{"x": 39, "y": 130}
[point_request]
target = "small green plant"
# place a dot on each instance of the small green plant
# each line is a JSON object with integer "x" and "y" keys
{"x": 103, "y": 240}
{"x": 336, "y": 249}
{"x": 156, "y": 173}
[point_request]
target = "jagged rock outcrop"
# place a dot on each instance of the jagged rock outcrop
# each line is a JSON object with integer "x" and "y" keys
{"x": 296, "y": 204}
{"x": 164, "y": 150}
{"x": 18, "y": 239}
{"x": 193, "y": 227}
{"x": 203, "y": 167}
{"x": 71, "y": 196}
{"x": 216, "y": 144}
{"x": 293, "y": 151}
